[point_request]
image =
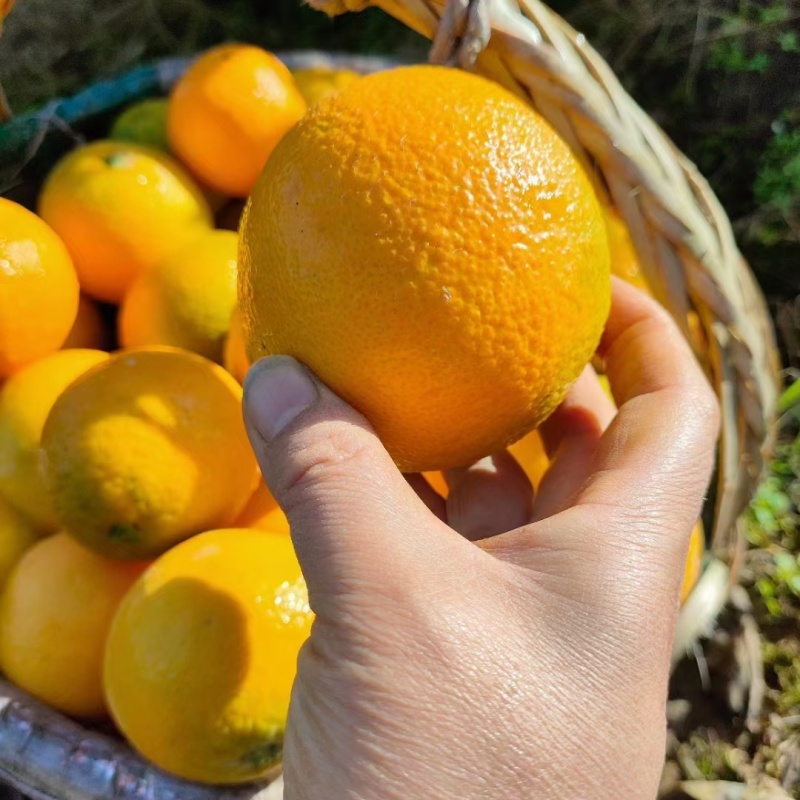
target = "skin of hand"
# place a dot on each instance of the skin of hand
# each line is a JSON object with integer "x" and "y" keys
{"x": 494, "y": 645}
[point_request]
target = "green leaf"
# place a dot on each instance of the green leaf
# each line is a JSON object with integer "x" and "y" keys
{"x": 789, "y": 41}
{"x": 794, "y": 462}
{"x": 791, "y": 396}
{"x": 765, "y": 587}
{"x": 780, "y": 503}
{"x": 782, "y": 468}
{"x": 785, "y": 566}
{"x": 730, "y": 55}
{"x": 784, "y": 560}
{"x": 777, "y": 183}
{"x": 759, "y": 63}
{"x": 773, "y": 606}
{"x": 764, "y": 517}
{"x": 774, "y": 13}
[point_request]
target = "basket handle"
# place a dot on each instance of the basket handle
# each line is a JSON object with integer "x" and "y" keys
{"x": 462, "y": 35}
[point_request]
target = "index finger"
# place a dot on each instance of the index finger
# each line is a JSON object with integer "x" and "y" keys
{"x": 630, "y": 523}
{"x": 657, "y": 455}
{"x": 643, "y": 349}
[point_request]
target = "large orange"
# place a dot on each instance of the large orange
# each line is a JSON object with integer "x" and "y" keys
{"x": 203, "y": 652}
{"x": 55, "y": 615}
{"x": 120, "y": 208}
{"x": 25, "y": 402}
{"x": 234, "y": 355}
{"x": 148, "y": 449}
{"x": 227, "y": 113}
{"x": 441, "y": 264}
{"x": 187, "y": 299}
{"x": 38, "y": 288}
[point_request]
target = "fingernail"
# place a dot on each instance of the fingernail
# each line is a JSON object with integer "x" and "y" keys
{"x": 276, "y": 391}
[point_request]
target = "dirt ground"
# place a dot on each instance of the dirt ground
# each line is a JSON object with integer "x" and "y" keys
{"x": 734, "y": 713}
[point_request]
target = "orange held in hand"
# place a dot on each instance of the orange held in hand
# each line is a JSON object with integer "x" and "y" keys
{"x": 120, "y": 209}
{"x": 528, "y": 452}
{"x": 442, "y": 265}
{"x": 38, "y": 288}
{"x": 235, "y": 355}
{"x": 147, "y": 450}
{"x": 227, "y": 113}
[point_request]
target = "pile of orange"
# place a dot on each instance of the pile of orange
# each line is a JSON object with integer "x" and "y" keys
{"x": 133, "y": 520}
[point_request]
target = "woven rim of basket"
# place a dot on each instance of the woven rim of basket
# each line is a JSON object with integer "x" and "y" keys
{"x": 681, "y": 233}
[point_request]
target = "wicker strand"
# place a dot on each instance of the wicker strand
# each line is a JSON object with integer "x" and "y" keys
{"x": 682, "y": 236}
{"x": 462, "y": 35}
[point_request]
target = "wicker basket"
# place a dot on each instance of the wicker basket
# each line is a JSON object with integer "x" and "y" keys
{"x": 683, "y": 239}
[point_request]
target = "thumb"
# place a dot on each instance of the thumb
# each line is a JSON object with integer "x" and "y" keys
{"x": 355, "y": 521}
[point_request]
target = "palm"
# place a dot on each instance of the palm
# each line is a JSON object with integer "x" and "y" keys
{"x": 438, "y": 668}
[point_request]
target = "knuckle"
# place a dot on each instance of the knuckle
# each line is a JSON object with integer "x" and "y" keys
{"x": 657, "y": 323}
{"x": 701, "y": 405}
{"x": 709, "y": 407}
{"x": 327, "y": 455}
{"x": 696, "y": 403}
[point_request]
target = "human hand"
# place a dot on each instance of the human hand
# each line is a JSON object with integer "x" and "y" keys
{"x": 530, "y": 663}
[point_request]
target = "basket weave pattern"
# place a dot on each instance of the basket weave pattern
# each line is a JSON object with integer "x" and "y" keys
{"x": 681, "y": 233}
